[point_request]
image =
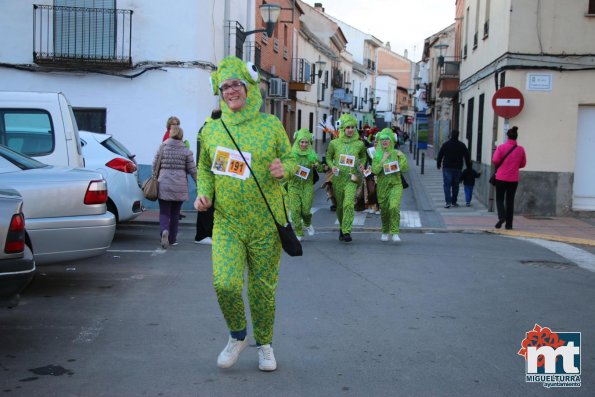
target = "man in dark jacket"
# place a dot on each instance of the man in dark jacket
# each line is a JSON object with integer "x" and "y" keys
{"x": 450, "y": 157}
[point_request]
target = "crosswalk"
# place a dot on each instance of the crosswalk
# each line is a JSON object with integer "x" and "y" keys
{"x": 408, "y": 219}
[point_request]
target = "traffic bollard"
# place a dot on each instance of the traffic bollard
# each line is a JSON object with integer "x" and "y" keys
{"x": 423, "y": 158}
{"x": 417, "y": 157}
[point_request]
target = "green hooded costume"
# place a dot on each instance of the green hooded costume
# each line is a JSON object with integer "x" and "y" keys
{"x": 346, "y": 154}
{"x": 389, "y": 187}
{"x": 244, "y": 233}
{"x": 301, "y": 190}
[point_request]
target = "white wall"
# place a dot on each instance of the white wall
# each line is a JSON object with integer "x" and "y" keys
{"x": 137, "y": 108}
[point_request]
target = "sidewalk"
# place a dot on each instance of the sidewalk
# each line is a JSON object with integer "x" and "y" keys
{"x": 477, "y": 218}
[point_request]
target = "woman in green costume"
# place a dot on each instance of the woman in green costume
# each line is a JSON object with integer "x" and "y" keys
{"x": 301, "y": 184}
{"x": 388, "y": 163}
{"x": 346, "y": 156}
{"x": 244, "y": 234}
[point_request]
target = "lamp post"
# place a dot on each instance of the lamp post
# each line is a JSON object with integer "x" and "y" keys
{"x": 270, "y": 16}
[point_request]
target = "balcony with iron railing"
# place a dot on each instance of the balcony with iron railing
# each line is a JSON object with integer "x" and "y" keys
{"x": 75, "y": 37}
{"x": 301, "y": 75}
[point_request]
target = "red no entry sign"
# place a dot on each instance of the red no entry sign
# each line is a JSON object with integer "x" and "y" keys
{"x": 508, "y": 102}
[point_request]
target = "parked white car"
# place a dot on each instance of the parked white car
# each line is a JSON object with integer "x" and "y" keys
{"x": 105, "y": 154}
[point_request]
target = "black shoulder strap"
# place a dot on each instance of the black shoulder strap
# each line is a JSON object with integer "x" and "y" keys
{"x": 254, "y": 175}
{"x": 504, "y": 158}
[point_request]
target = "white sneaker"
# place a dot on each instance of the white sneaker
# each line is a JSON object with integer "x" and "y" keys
{"x": 206, "y": 240}
{"x": 299, "y": 238}
{"x": 377, "y": 212}
{"x": 229, "y": 355}
{"x": 310, "y": 230}
{"x": 384, "y": 237}
{"x": 165, "y": 239}
{"x": 266, "y": 358}
{"x": 396, "y": 238}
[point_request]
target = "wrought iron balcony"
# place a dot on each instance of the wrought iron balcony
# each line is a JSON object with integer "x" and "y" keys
{"x": 448, "y": 81}
{"x": 82, "y": 36}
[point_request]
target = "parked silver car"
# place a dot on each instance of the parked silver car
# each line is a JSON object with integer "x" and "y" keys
{"x": 17, "y": 265}
{"x": 64, "y": 207}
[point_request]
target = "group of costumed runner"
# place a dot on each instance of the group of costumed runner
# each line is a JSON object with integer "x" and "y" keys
{"x": 348, "y": 164}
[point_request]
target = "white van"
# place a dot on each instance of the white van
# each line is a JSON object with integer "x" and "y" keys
{"x": 40, "y": 125}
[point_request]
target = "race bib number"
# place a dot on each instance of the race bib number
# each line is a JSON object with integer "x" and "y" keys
{"x": 391, "y": 168}
{"x": 230, "y": 163}
{"x": 346, "y": 160}
{"x": 303, "y": 172}
{"x": 367, "y": 172}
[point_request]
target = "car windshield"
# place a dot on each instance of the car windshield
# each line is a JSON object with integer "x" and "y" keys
{"x": 17, "y": 159}
{"x": 114, "y": 146}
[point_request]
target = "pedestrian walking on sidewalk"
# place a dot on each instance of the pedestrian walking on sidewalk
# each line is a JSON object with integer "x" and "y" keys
{"x": 346, "y": 156}
{"x": 388, "y": 163}
{"x": 468, "y": 180}
{"x": 301, "y": 184}
{"x": 451, "y": 157}
{"x": 509, "y": 158}
{"x": 176, "y": 163}
{"x": 244, "y": 233}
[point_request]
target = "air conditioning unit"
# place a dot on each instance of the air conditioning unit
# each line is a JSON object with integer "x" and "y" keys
{"x": 276, "y": 87}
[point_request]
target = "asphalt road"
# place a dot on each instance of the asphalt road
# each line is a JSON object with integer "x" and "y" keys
{"x": 438, "y": 315}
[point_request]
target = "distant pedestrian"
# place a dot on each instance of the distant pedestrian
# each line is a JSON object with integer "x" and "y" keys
{"x": 177, "y": 162}
{"x": 388, "y": 164}
{"x": 468, "y": 180}
{"x": 451, "y": 157}
{"x": 172, "y": 120}
{"x": 509, "y": 158}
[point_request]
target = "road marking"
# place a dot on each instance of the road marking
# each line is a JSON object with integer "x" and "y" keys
{"x": 358, "y": 219}
{"x": 408, "y": 219}
{"x": 582, "y": 258}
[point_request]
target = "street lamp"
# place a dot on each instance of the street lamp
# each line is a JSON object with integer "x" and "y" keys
{"x": 440, "y": 47}
{"x": 320, "y": 67}
{"x": 270, "y": 16}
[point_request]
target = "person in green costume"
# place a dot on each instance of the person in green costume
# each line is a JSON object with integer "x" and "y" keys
{"x": 301, "y": 184}
{"x": 244, "y": 234}
{"x": 388, "y": 163}
{"x": 346, "y": 156}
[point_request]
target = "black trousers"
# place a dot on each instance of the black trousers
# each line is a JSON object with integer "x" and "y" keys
{"x": 505, "y": 192}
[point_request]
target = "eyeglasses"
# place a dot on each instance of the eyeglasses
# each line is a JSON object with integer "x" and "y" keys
{"x": 235, "y": 86}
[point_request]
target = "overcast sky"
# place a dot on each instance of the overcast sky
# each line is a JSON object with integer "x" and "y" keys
{"x": 404, "y": 23}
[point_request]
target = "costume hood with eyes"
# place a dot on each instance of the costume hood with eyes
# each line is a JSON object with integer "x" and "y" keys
{"x": 299, "y": 136}
{"x": 234, "y": 68}
{"x": 347, "y": 120}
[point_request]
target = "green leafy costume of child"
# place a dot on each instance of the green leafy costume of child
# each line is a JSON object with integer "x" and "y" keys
{"x": 301, "y": 190}
{"x": 346, "y": 154}
{"x": 389, "y": 187}
{"x": 244, "y": 233}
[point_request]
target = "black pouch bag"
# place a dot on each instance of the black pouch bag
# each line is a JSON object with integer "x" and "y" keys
{"x": 289, "y": 240}
{"x": 404, "y": 182}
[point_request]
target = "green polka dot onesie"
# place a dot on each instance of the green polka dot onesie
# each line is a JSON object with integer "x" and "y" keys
{"x": 389, "y": 187}
{"x": 244, "y": 234}
{"x": 301, "y": 190}
{"x": 346, "y": 154}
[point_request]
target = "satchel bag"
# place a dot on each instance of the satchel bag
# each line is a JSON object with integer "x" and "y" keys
{"x": 150, "y": 186}
{"x": 289, "y": 241}
{"x": 493, "y": 177}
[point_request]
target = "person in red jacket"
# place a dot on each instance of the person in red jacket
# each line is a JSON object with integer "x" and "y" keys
{"x": 509, "y": 158}
{"x": 172, "y": 120}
